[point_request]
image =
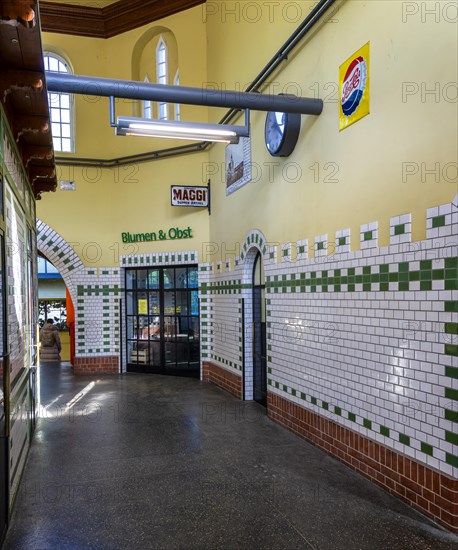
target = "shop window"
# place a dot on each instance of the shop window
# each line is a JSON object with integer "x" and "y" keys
{"x": 60, "y": 107}
{"x": 162, "y": 323}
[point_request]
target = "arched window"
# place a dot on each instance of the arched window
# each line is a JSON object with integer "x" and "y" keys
{"x": 176, "y": 82}
{"x": 162, "y": 71}
{"x": 147, "y": 105}
{"x": 60, "y": 107}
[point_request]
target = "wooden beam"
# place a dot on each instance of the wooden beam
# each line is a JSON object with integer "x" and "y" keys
{"x": 114, "y": 19}
{"x": 36, "y": 152}
{"x": 18, "y": 12}
{"x": 20, "y": 79}
{"x": 26, "y": 124}
{"x": 44, "y": 186}
{"x": 41, "y": 173}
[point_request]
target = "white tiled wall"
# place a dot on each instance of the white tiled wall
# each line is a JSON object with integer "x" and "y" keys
{"x": 372, "y": 357}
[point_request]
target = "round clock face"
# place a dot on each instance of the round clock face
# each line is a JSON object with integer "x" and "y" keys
{"x": 282, "y": 133}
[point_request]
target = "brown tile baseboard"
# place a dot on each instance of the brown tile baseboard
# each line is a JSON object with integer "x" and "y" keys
{"x": 223, "y": 378}
{"x": 429, "y": 491}
{"x": 96, "y": 365}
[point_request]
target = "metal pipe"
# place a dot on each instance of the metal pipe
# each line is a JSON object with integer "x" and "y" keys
{"x": 282, "y": 54}
{"x": 129, "y": 89}
{"x": 134, "y": 159}
{"x": 309, "y": 22}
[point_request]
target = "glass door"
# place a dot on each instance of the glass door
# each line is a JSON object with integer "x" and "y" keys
{"x": 163, "y": 320}
{"x": 259, "y": 334}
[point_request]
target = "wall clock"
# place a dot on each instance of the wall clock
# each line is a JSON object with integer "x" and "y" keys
{"x": 282, "y": 132}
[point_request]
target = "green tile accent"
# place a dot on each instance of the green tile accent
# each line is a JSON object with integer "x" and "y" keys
{"x": 452, "y": 372}
{"x": 400, "y": 229}
{"x": 451, "y": 349}
{"x": 342, "y": 241}
{"x": 451, "y": 437}
{"x": 438, "y": 221}
{"x": 313, "y": 400}
{"x": 451, "y": 415}
{"x": 451, "y": 307}
{"x": 385, "y": 431}
{"x": 404, "y": 439}
{"x": 352, "y": 417}
{"x": 338, "y": 411}
{"x": 451, "y": 284}
{"x": 450, "y": 393}
{"x": 320, "y": 245}
{"x": 427, "y": 449}
{"x": 303, "y": 396}
{"x": 451, "y": 459}
{"x": 368, "y": 235}
{"x": 367, "y": 423}
{"x": 325, "y": 405}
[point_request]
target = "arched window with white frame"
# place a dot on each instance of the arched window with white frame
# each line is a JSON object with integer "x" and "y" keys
{"x": 147, "y": 105}
{"x": 176, "y": 82}
{"x": 162, "y": 71}
{"x": 60, "y": 107}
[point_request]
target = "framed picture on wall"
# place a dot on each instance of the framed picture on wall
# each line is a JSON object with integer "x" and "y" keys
{"x": 238, "y": 165}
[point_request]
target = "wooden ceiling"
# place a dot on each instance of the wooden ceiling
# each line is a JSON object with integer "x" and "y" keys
{"x": 106, "y": 19}
{"x": 23, "y": 91}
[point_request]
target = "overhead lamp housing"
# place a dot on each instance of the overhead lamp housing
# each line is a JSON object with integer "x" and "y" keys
{"x": 190, "y": 131}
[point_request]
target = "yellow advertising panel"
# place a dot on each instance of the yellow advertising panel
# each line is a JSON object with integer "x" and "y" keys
{"x": 143, "y": 307}
{"x": 354, "y": 87}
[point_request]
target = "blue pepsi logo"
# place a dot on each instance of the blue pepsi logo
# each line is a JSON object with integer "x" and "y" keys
{"x": 354, "y": 85}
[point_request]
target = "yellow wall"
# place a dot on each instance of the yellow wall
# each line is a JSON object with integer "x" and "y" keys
{"x": 229, "y": 49}
{"x": 370, "y": 154}
{"x": 133, "y": 198}
{"x": 65, "y": 341}
{"x": 113, "y": 58}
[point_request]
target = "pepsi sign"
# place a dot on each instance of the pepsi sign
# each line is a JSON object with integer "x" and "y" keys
{"x": 354, "y": 87}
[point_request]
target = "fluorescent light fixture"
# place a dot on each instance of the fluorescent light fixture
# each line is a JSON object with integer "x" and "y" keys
{"x": 180, "y": 130}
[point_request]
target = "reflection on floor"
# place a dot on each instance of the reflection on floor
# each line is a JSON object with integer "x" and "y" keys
{"x": 155, "y": 462}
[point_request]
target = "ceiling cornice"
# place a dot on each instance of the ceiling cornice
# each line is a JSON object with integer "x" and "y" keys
{"x": 109, "y": 21}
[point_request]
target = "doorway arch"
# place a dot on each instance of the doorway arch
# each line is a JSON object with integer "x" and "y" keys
{"x": 59, "y": 252}
{"x": 253, "y": 256}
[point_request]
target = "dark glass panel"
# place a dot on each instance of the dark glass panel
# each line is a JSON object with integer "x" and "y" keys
{"x": 142, "y": 279}
{"x": 169, "y": 281}
{"x": 182, "y": 302}
{"x": 181, "y": 276}
{"x": 153, "y": 278}
{"x": 131, "y": 280}
{"x": 169, "y": 302}
{"x": 193, "y": 277}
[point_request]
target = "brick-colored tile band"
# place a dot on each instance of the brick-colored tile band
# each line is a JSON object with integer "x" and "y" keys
{"x": 431, "y": 492}
{"x": 96, "y": 365}
{"x": 223, "y": 378}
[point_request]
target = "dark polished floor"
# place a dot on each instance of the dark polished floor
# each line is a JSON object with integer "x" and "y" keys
{"x": 147, "y": 461}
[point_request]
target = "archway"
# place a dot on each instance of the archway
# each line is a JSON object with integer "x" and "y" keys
{"x": 67, "y": 262}
{"x": 253, "y": 254}
{"x": 56, "y": 249}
